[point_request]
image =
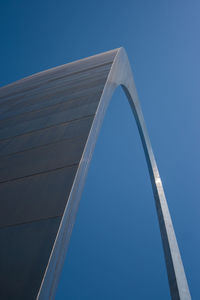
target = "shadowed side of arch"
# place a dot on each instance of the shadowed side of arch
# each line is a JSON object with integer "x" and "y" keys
{"x": 119, "y": 74}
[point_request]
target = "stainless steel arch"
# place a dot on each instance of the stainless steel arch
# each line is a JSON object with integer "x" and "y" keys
{"x": 49, "y": 123}
{"x": 119, "y": 74}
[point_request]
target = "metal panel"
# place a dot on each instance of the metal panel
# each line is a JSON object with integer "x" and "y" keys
{"x": 75, "y": 129}
{"x": 60, "y": 91}
{"x": 44, "y": 122}
{"x": 91, "y": 93}
{"x": 41, "y": 159}
{"x": 36, "y": 197}
{"x": 35, "y": 81}
{"x": 44, "y": 126}
{"x": 47, "y": 111}
{"x": 24, "y": 253}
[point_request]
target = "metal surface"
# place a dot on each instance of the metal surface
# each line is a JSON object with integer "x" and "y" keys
{"x": 48, "y": 128}
{"x": 23, "y": 248}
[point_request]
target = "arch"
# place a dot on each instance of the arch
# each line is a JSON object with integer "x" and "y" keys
{"x": 119, "y": 74}
{"x": 49, "y": 124}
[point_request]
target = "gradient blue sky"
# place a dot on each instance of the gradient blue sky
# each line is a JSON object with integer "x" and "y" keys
{"x": 115, "y": 250}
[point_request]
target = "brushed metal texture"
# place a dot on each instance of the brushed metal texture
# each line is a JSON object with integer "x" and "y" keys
{"x": 46, "y": 111}
{"x": 24, "y": 253}
{"x": 43, "y": 122}
{"x": 35, "y": 197}
{"x": 44, "y": 131}
{"x": 49, "y": 99}
{"x": 61, "y": 131}
{"x": 41, "y": 159}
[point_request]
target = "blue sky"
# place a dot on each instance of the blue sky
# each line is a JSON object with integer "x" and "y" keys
{"x": 115, "y": 250}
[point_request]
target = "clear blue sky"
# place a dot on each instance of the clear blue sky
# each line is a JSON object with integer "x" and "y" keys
{"x": 115, "y": 250}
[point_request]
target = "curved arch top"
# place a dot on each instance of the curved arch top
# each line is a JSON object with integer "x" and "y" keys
{"x": 54, "y": 118}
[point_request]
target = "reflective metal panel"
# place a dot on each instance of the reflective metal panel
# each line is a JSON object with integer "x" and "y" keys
{"x": 35, "y": 197}
{"x": 67, "y": 130}
{"x": 24, "y": 253}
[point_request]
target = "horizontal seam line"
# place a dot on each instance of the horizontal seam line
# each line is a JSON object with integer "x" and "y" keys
{"x": 29, "y": 222}
{"x": 49, "y": 93}
{"x": 38, "y": 110}
{"x": 55, "y": 79}
{"x": 80, "y": 137}
{"x": 29, "y": 132}
{"x": 5, "y": 127}
{"x": 38, "y": 173}
{"x": 85, "y": 70}
{"x": 41, "y": 109}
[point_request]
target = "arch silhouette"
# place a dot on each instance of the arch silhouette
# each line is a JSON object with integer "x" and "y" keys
{"x": 119, "y": 74}
{"x": 49, "y": 124}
